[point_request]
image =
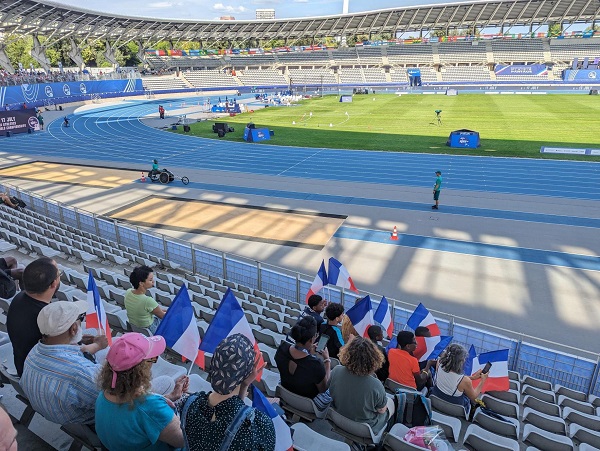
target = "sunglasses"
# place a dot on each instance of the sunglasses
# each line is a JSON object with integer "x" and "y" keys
{"x": 81, "y": 317}
{"x": 152, "y": 360}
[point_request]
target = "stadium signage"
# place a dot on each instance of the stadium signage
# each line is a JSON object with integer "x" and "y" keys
{"x": 569, "y": 151}
{"x": 588, "y": 75}
{"x": 521, "y": 69}
{"x": 18, "y": 121}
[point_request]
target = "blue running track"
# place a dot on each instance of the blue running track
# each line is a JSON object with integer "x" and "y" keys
{"x": 115, "y": 133}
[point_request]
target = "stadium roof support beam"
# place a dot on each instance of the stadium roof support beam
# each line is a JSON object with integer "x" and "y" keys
{"x": 46, "y": 18}
{"x": 5, "y": 61}
{"x": 38, "y": 53}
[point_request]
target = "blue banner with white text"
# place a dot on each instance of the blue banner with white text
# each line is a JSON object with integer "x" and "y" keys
{"x": 521, "y": 69}
{"x": 40, "y": 94}
{"x": 584, "y": 75}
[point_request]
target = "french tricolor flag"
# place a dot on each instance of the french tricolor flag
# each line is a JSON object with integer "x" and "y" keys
{"x": 430, "y": 348}
{"x": 229, "y": 320}
{"x": 339, "y": 275}
{"x": 422, "y": 318}
{"x": 95, "y": 317}
{"x": 179, "y": 328}
{"x": 319, "y": 282}
{"x": 498, "y": 376}
{"x": 361, "y": 315}
{"x": 283, "y": 434}
{"x": 384, "y": 317}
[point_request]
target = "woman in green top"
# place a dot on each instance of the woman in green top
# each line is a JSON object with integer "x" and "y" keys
{"x": 142, "y": 310}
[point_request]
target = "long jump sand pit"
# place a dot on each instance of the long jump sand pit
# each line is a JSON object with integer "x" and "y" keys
{"x": 264, "y": 224}
{"x": 71, "y": 174}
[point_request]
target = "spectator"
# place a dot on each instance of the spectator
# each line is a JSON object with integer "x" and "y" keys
{"x": 334, "y": 314}
{"x": 451, "y": 384}
{"x": 128, "y": 416}
{"x": 301, "y": 371}
{"x": 8, "y": 433}
{"x": 6, "y": 200}
{"x": 404, "y": 367}
{"x": 355, "y": 393}
{"x": 142, "y": 310}
{"x": 58, "y": 362}
{"x": 210, "y": 416}
{"x": 375, "y": 333}
{"x": 41, "y": 279}
{"x": 316, "y": 305}
{"x": 11, "y": 267}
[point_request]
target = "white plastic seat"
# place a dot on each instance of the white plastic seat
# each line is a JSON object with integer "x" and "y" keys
{"x": 482, "y": 440}
{"x": 549, "y": 408}
{"x": 546, "y": 422}
{"x": 305, "y": 439}
{"x": 569, "y": 392}
{"x": 544, "y": 395}
{"x": 585, "y": 407}
{"x": 583, "y": 419}
{"x": 450, "y": 425}
{"x": 298, "y": 406}
{"x": 447, "y": 408}
{"x": 582, "y": 435}
{"x": 537, "y": 383}
{"x": 505, "y": 408}
{"x": 354, "y": 431}
{"x": 510, "y": 428}
{"x": 164, "y": 368}
{"x": 545, "y": 440}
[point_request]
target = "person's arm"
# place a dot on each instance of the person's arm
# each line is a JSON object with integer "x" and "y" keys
{"x": 100, "y": 342}
{"x": 324, "y": 384}
{"x": 172, "y": 434}
{"x": 422, "y": 376}
{"x": 466, "y": 385}
{"x": 159, "y": 312}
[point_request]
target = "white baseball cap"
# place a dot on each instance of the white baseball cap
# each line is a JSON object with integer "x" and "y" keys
{"x": 58, "y": 316}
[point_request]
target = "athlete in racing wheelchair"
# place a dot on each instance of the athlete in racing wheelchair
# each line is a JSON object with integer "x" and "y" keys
{"x": 160, "y": 175}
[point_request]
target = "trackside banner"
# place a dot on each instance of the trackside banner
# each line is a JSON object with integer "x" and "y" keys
{"x": 521, "y": 69}
{"x": 65, "y": 92}
{"x": 18, "y": 121}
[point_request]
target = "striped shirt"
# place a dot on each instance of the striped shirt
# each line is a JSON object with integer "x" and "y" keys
{"x": 61, "y": 383}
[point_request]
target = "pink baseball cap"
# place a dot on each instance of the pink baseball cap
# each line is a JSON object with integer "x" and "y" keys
{"x": 131, "y": 349}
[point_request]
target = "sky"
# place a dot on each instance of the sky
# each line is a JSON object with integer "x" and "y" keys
{"x": 240, "y": 9}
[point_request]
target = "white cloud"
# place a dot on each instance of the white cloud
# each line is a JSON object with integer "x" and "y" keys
{"x": 161, "y": 5}
{"x": 228, "y": 9}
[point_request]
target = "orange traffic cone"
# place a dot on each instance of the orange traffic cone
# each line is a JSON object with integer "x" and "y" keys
{"x": 143, "y": 177}
{"x": 394, "y": 234}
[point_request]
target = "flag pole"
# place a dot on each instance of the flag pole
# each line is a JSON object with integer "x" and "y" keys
{"x": 192, "y": 363}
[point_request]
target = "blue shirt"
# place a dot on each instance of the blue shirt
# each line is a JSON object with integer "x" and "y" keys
{"x": 126, "y": 428}
{"x": 61, "y": 383}
{"x": 438, "y": 183}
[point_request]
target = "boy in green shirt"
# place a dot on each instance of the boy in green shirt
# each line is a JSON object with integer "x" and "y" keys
{"x": 436, "y": 189}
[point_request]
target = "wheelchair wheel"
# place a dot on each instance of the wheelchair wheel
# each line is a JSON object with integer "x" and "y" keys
{"x": 185, "y": 180}
{"x": 164, "y": 178}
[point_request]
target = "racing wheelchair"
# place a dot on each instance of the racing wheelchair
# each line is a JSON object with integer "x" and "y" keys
{"x": 165, "y": 176}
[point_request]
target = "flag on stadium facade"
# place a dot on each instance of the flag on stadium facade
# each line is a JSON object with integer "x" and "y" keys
{"x": 361, "y": 315}
{"x": 283, "y": 434}
{"x": 384, "y": 317}
{"x": 339, "y": 275}
{"x": 95, "y": 317}
{"x": 430, "y": 348}
{"x": 319, "y": 282}
{"x": 179, "y": 328}
{"x": 422, "y": 318}
{"x": 498, "y": 376}
{"x": 229, "y": 320}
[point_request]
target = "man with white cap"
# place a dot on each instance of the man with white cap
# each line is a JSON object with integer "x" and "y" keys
{"x": 58, "y": 380}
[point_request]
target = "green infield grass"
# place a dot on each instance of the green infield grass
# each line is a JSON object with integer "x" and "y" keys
{"x": 509, "y": 125}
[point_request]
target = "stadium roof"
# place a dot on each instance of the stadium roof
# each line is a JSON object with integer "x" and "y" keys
{"x": 47, "y": 18}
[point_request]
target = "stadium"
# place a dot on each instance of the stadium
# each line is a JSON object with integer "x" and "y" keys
{"x": 301, "y": 157}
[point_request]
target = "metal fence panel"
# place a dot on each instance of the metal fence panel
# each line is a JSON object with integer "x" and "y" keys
{"x": 107, "y": 229}
{"x": 241, "y": 272}
{"x": 208, "y": 263}
{"x": 180, "y": 253}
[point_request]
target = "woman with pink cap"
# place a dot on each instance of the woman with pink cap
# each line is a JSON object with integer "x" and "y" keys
{"x": 128, "y": 416}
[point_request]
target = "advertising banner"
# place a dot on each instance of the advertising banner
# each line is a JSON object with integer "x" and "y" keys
{"x": 583, "y": 75}
{"x": 521, "y": 69}
{"x": 66, "y": 92}
{"x": 18, "y": 121}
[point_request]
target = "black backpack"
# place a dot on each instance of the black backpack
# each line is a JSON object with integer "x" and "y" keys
{"x": 18, "y": 202}
{"x": 412, "y": 408}
{"x": 8, "y": 288}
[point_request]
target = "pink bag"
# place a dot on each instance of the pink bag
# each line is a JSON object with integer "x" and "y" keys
{"x": 425, "y": 437}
